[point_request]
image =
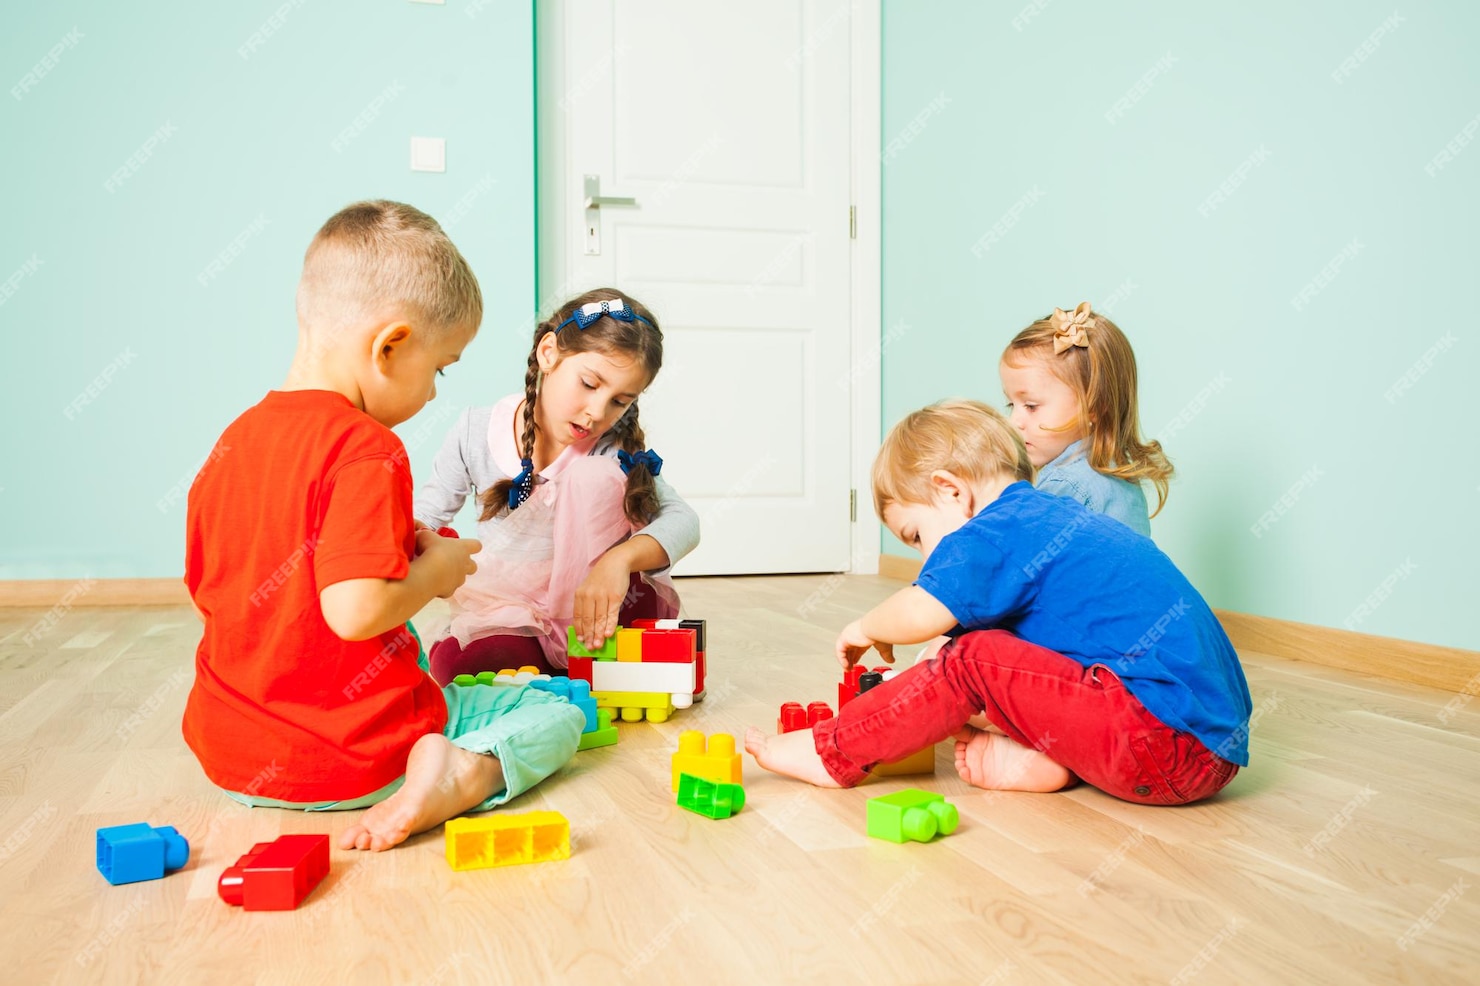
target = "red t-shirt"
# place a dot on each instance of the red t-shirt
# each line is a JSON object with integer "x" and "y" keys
{"x": 302, "y": 491}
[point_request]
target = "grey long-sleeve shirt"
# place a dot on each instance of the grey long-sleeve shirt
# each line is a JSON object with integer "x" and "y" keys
{"x": 466, "y": 466}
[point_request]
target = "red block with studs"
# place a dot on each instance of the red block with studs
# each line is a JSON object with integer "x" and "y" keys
{"x": 277, "y": 875}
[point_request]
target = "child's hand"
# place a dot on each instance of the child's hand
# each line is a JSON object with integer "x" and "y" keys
{"x": 598, "y": 603}
{"x": 853, "y": 643}
{"x": 450, "y": 560}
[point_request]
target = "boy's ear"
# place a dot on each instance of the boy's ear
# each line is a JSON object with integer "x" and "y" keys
{"x": 948, "y": 484}
{"x": 389, "y": 339}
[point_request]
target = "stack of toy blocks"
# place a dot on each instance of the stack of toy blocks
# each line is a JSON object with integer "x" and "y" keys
{"x": 507, "y": 676}
{"x": 700, "y": 628}
{"x": 506, "y": 840}
{"x": 712, "y": 758}
{"x": 856, "y": 681}
{"x": 598, "y": 730}
{"x": 911, "y": 816}
{"x": 641, "y": 671}
{"x": 130, "y": 853}
{"x": 277, "y": 875}
{"x": 707, "y": 798}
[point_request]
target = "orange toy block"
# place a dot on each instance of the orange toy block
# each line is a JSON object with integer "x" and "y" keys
{"x": 629, "y": 644}
{"x": 713, "y": 760}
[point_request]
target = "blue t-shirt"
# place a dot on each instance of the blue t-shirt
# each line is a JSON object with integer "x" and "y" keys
{"x": 1077, "y": 582}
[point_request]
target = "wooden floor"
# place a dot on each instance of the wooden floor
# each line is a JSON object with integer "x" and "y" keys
{"x": 1345, "y": 854}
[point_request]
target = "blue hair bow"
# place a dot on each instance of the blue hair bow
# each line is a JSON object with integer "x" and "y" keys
{"x": 616, "y": 308}
{"x": 523, "y": 484}
{"x": 648, "y": 458}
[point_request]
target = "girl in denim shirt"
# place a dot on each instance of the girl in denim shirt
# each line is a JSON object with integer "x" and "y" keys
{"x": 1070, "y": 383}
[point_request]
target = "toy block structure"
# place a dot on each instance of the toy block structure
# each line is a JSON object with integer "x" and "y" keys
{"x": 277, "y": 875}
{"x": 794, "y": 717}
{"x": 911, "y": 815}
{"x": 507, "y": 840}
{"x": 660, "y": 663}
{"x": 605, "y": 734}
{"x": 712, "y": 758}
{"x": 131, "y": 853}
{"x": 705, "y": 797}
{"x": 852, "y": 684}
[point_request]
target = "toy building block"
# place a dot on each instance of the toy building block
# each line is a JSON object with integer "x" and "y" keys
{"x": 714, "y": 760}
{"x": 665, "y": 646}
{"x": 574, "y": 647}
{"x": 794, "y": 717}
{"x": 911, "y": 815}
{"x": 579, "y": 668}
{"x": 629, "y": 644}
{"x": 705, "y": 797}
{"x": 506, "y": 676}
{"x": 605, "y": 734}
{"x": 507, "y": 840}
{"x": 920, "y": 762}
{"x": 447, "y": 532}
{"x": 577, "y": 693}
{"x": 130, "y": 853}
{"x": 633, "y": 706}
{"x": 645, "y": 676}
{"x": 277, "y": 875}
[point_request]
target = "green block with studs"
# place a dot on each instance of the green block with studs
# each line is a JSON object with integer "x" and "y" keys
{"x": 911, "y": 816}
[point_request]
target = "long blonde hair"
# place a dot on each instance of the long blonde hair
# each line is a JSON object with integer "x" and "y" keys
{"x": 1102, "y": 375}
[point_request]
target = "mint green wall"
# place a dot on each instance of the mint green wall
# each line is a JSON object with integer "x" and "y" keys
{"x": 1391, "y": 516}
{"x": 249, "y": 152}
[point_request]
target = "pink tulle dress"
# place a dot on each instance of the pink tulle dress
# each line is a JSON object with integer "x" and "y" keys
{"x": 534, "y": 558}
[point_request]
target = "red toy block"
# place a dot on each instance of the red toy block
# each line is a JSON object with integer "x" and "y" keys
{"x": 669, "y": 646}
{"x": 277, "y": 875}
{"x": 447, "y": 532}
{"x": 794, "y": 717}
{"x": 579, "y": 668}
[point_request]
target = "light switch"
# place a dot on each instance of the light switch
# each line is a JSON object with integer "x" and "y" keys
{"x": 428, "y": 154}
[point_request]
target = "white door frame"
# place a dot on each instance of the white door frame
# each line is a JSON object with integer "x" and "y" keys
{"x": 866, "y": 322}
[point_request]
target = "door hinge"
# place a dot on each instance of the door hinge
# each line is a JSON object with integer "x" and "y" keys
{"x": 853, "y": 506}
{"x": 852, "y": 222}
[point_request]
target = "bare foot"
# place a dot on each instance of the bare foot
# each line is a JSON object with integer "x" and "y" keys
{"x": 442, "y": 782}
{"x": 791, "y": 754}
{"x": 996, "y": 762}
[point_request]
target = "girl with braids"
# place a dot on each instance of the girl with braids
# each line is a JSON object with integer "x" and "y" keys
{"x": 1070, "y": 383}
{"x": 578, "y": 528}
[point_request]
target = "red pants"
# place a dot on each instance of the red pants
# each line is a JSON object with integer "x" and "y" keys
{"x": 449, "y": 659}
{"x": 1082, "y": 718}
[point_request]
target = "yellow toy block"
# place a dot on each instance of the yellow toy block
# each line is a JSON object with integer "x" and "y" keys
{"x": 632, "y": 706}
{"x": 922, "y": 762}
{"x": 716, "y": 762}
{"x": 504, "y": 840}
{"x": 629, "y": 644}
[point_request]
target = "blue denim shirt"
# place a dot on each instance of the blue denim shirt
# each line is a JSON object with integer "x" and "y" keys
{"x": 1071, "y": 475}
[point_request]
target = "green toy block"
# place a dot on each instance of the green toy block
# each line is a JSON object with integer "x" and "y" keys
{"x": 605, "y": 734}
{"x": 708, "y": 798}
{"x": 911, "y": 815}
{"x": 469, "y": 680}
{"x": 574, "y": 647}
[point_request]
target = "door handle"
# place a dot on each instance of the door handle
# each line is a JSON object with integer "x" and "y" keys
{"x": 593, "y": 203}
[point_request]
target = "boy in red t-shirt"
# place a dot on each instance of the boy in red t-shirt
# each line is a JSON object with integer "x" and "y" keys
{"x": 304, "y": 561}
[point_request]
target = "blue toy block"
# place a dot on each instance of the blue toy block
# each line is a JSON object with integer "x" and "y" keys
{"x": 130, "y": 853}
{"x": 577, "y": 692}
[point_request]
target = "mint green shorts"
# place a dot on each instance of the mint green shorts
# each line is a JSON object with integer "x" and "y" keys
{"x": 532, "y": 733}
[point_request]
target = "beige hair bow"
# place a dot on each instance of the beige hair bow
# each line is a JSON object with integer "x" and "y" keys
{"x": 1070, "y": 328}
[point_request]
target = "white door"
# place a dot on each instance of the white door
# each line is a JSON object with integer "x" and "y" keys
{"x": 728, "y": 123}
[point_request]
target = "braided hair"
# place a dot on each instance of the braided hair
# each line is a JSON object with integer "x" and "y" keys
{"x": 640, "y": 339}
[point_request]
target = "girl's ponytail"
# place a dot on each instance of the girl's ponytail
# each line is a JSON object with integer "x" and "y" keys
{"x": 496, "y": 497}
{"x": 640, "y": 503}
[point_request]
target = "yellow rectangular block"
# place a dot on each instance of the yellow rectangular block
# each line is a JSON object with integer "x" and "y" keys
{"x": 922, "y": 762}
{"x": 629, "y": 644}
{"x": 506, "y": 840}
{"x": 632, "y": 706}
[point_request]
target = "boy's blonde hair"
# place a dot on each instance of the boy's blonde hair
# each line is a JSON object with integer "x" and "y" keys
{"x": 1097, "y": 363}
{"x": 968, "y": 438}
{"x": 380, "y": 260}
